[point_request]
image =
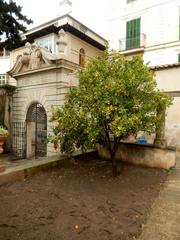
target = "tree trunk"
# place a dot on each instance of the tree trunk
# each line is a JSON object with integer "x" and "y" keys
{"x": 160, "y": 140}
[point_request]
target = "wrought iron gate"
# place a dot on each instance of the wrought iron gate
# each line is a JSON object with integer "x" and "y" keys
{"x": 37, "y": 119}
{"x": 19, "y": 139}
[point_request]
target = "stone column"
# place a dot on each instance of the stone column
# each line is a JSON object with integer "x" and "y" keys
{"x": 160, "y": 140}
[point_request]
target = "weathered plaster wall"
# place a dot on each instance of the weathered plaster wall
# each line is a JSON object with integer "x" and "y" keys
{"x": 173, "y": 123}
{"x": 168, "y": 80}
{"x": 142, "y": 155}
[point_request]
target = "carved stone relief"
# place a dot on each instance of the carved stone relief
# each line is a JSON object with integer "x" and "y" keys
{"x": 34, "y": 57}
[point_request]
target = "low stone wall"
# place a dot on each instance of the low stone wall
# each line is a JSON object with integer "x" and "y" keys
{"x": 142, "y": 154}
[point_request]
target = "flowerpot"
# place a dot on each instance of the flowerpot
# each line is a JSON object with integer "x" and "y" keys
{"x": 2, "y": 141}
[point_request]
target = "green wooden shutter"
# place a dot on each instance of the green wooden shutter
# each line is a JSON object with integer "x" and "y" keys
{"x": 133, "y": 31}
{"x": 179, "y": 58}
{"x": 128, "y": 1}
{"x": 138, "y": 32}
{"x": 128, "y": 27}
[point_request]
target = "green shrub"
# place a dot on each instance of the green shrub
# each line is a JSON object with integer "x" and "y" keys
{"x": 3, "y": 132}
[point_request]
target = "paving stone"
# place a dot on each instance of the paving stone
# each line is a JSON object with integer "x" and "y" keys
{"x": 164, "y": 220}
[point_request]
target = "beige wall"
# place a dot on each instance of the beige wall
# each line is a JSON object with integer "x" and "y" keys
{"x": 140, "y": 154}
{"x": 169, "y": 81}
{"x": 173, "y": 123}
{"x": 76, "y": 44}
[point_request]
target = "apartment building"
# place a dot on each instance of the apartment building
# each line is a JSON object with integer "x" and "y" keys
{"x": 150, "y": 28}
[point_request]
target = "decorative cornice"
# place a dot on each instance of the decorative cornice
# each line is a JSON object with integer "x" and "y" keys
{"x": 59, "y": 63}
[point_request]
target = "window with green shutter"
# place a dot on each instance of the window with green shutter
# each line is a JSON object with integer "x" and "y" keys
{"x": 128, "y": 1}
{"x": 179, "y": 58}
{"x": 133, "y": 31}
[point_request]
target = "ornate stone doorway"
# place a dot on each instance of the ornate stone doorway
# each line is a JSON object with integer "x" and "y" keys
{"x": 36, "y": 121}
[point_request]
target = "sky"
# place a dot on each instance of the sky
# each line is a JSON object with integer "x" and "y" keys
{"x": 92, "y": 13}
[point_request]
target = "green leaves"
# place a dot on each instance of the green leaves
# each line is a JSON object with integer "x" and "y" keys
{"x": 116, "y": 98}
{"x": 11, "y": 23}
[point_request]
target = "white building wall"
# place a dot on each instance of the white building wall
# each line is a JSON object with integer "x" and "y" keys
{"x": 168, "y": 80}
{"x": 4, "y": 67}
{"x": 159, "y": 22}
{"x": 4, "y": 64}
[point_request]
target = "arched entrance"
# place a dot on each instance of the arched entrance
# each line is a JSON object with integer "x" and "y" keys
{"x": 36, "y": 122}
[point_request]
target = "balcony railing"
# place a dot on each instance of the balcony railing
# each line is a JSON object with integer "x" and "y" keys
{"x": 132, "y": 43}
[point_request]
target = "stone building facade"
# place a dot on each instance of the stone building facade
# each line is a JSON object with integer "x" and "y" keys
{"x": 43, "y": 79}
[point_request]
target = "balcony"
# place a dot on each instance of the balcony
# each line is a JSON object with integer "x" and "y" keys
{"x": 132, "y": 45}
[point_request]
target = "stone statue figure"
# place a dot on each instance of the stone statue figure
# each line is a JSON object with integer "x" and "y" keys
{"x": 34, "y": 57}
{"x": 35, "y": 54}
{"x": 62, "y": 42}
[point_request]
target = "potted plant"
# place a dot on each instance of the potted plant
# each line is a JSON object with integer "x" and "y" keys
{"x": 3, "y": 135}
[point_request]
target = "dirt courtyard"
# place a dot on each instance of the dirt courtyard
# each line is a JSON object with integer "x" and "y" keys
{"x": 79, "y": 201}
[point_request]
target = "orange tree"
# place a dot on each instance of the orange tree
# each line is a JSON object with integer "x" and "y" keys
{"x": 115, "y": 98}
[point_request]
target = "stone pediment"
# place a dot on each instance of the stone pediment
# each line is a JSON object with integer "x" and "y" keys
{"x": 34, "y": 57}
